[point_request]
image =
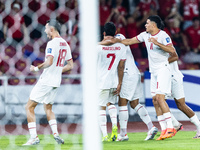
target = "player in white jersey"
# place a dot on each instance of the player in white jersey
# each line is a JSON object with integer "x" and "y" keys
{"x": 110, "y": 67}
{"x": 131, "y": 91}
{"x": 158, "y": 45}
{"x": 179, "y": 97}
{"x": 56, "y": 53}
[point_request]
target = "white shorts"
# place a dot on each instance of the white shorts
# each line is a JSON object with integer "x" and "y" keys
{"x": 177, "y": 86}
{"x": 131, "y": 87}
{"x": 106, "y": 96}
{"x": 43, "y": 93}
{"x": 161, "y": 82}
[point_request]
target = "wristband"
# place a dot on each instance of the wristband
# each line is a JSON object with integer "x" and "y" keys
{"x": 36, "y": 69}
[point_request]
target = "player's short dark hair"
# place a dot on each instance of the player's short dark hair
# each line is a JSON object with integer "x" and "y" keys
{"x": 54, "y": 23}
{"x": 110, "y": 29}
{"x": 157, "y": 20}
{"x": 195, "y": 19}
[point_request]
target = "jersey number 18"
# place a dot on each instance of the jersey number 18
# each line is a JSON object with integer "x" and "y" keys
{"x": 61, "y": 57}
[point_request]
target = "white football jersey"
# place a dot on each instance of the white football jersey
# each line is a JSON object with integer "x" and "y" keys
{"x": 107, "y": 63}
{"x": 130, "y": 66}
{"x": 60, "y": 50}
{"x": 156, "y": 56}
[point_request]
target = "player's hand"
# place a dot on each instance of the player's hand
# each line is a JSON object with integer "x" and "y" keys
{"x": 153, "y": 40}
{"x": 32, "y": 68}
{"x": 117, "y": 91}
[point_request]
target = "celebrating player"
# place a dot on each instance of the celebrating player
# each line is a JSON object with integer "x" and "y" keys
{"x": 131, "y": 91}
{"x": 57, "y": 51}
{"x": 179, "y": 97}
{"x": 110, "y": 67}
{"x": 159, "y": 45}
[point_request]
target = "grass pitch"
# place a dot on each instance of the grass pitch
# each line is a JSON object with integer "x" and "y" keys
{"x": 182, "y": 141}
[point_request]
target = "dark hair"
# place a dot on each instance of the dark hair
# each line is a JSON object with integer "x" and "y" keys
{"x": 110, "y": 29}
{"x": 157, "y": 20}
{"x": 54, "y": 23}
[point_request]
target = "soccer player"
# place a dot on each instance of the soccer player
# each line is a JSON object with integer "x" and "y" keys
{"x": 179, "y": 97}
{"x": 57, "y": 51}
{"x": 158, "y": 51}
{"x": 131, "y": 91}
{"x": 110, "y": 67}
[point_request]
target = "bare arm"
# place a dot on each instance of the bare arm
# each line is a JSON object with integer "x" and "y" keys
{"x": 131, "y": 41}
{"x": 68, "y": 66}
{"x": 120, "y": 76}
{"x": 173, "y": 57}
{"x": 5, "y": 27}
{"x": 44, "y": 65}
{"x": 166, "y": 48}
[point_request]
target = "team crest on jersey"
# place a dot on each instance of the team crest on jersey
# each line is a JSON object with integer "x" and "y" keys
{"x": 168, "y": 39}
{"x": 49, "y": 50}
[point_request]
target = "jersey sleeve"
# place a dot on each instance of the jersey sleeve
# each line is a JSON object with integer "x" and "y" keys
{"x": 50, "y": 50}
{"x": 69, "y": 55}
{"x": 140, "y": 37}
{"x": 166, "y": 39}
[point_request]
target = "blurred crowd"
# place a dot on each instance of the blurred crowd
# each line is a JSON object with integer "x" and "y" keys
{"x": 23, "y": 40}
{"x": 181, "y": 19}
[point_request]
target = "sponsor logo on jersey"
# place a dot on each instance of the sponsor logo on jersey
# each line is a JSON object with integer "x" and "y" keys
{"x": 49, "y": 50}
{"x": 168, "y": 39}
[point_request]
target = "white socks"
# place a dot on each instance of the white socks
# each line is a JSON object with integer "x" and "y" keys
{"x": 102, "y": 122}
{"x": 123, "y": 119}
{"x": 142, "y": 112}
{"x": 196, "y": 122}
{"x": 174, "y": 121}
{"x": 113, "y": 114}
{"x": 32, "y": 129}
{"x": 53, "y": 125}
{"x": 161, "y": 120}
{"x": 168, "y": 119}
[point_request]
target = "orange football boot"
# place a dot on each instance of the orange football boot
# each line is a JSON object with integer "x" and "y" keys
{"x": 161, "y": 135}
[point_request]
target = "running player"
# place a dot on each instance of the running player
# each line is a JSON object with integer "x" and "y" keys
{"x": 57, "y": 51}
{"x": 110, "y": 67}
{"x": 131, "y": 91}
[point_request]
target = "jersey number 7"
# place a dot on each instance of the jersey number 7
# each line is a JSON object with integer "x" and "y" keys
{"x": 61, "y": 57}
{"x": 112, "y": 60}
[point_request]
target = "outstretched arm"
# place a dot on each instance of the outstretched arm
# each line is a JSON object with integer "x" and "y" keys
{"x": 131, "y": 41}
{"x": 134, "y": 40}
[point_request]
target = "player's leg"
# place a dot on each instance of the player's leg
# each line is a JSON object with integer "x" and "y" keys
{"x": 103, "y": 98}
{"x": 162, "y": 87}
{"x": 161, "y": 119}
{"x": 189, "y": 113}
{"x": 144, "y": 115}
{"x": 113, "y": 113}
{"x": 30, "y": 107}
{"x": 52, "y": 122}
{"x": 123, "y": 119}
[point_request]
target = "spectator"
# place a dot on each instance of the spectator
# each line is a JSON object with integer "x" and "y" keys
{"x": 118, "y": 17}
{"x": 189, "y": 10}
{"x": 34, "y": 5}
{"x": 192, "y": 36}
{"x": 52, "y": 5}
{"x": 14, "y": 26}
{"x": 104, "y": 12}
{"x": 166, "y": 7}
